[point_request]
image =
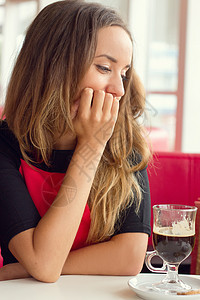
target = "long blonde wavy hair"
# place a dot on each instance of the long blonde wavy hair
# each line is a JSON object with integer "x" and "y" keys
{"x": 58, "y": 49}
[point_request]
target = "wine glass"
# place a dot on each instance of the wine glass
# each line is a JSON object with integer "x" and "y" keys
{"x": 173, "y": 241}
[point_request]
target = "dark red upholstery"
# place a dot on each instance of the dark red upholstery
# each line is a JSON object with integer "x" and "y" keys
{"x": 1, "y": 259}
{"x": 195, "y": 261}
{"x": 174, "y": 178}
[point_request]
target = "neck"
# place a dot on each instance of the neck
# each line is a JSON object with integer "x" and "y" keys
{"x": 65, "y": 142}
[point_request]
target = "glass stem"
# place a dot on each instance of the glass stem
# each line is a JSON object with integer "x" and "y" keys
{"x": 172, "y": 273}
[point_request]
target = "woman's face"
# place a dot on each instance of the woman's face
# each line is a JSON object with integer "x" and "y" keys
{"x": 111, "y": 62}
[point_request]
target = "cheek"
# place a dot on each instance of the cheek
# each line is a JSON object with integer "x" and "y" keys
{"x": 93, "y": 80}
{"x": 97, "y": 84}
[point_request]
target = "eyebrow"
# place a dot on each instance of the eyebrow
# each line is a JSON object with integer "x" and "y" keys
{"x": 111, "y": 59}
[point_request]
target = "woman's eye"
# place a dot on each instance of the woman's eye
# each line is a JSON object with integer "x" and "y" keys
{"x": 103, "y": 69}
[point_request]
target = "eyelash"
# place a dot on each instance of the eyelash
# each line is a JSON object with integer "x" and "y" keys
{"x": 103, "y": 69}
{"x": 107, "y": 70}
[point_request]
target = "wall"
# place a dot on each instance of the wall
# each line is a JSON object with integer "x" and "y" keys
{"x": 191, "y": 114}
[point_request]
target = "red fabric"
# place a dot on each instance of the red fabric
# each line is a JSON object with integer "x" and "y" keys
{"x": 195, "y": 267}
{"x": 174, "y": 178}
{"x": 1, "y": 259}
{"x": 43, "y": 188}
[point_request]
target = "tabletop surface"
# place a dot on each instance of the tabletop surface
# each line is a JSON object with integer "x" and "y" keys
{"x": 73, "y": 287}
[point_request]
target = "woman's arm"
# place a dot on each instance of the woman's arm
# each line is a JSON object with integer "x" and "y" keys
{"x": 43, "y": 250}
{"x": 122, "y": 255}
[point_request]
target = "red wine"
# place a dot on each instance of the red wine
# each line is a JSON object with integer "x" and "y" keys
{"x": 173, "y": 248}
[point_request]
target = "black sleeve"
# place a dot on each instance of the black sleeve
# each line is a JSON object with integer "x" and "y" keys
{"x": 132, "y": 221}
{"x": 17, "y": 210}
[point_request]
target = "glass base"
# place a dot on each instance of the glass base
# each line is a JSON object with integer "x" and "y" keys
{"x": 171, "y": 287}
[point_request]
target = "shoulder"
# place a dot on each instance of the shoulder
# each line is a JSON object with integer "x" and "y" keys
{"x": 9, "y": 146}
{"x": 7, "y": 137}
{"x": 135, "y": 160}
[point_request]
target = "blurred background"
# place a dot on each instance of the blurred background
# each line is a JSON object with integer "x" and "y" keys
{"x": 166, "y": 56}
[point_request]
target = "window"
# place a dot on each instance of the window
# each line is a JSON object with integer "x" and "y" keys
{"x": 15, "y": 16}
{"x": 159, "y": 27}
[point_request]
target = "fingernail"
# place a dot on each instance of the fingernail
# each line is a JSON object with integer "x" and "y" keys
{"x": 89, "y": 90}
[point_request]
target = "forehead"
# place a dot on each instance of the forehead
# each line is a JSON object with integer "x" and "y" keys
{"x": 114, "y": 41}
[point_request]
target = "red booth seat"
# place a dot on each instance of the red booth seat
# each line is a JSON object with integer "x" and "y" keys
{"x": 195, "y": 263}
{"x": 174, "y": 178}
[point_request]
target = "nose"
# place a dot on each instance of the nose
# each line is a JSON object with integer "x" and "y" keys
{"x": 116, "y": 87}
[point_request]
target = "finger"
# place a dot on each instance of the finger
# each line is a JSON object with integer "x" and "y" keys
{"x": 74, "y": 108}
{"x": 98, "y": 101}
{"x": 108, "y": 102}
{"x": 85, "y": 101}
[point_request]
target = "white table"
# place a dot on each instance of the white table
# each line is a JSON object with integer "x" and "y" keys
{"x": 69, "y": 287}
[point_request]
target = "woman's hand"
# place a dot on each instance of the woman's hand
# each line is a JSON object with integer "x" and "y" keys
{"x": 13, "y": 271}
{"x": 96, "y": 117}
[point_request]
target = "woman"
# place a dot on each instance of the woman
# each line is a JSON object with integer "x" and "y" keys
{"x": 74, "y": 188}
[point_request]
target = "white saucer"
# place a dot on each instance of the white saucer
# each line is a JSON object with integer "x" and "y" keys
{"x": 141, "y": 285}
